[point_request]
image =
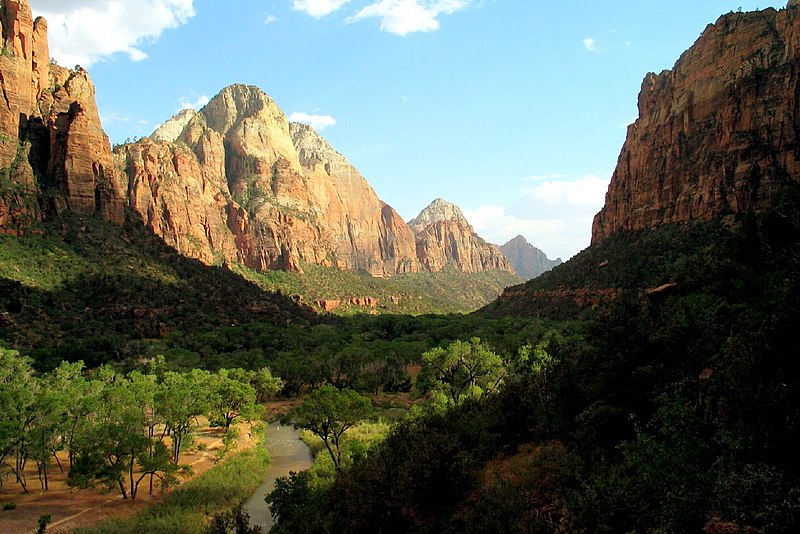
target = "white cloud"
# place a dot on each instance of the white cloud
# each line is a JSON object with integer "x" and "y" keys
{"x": 269, "y": 19}
{"x": 554, "y": 215}
{"x": 197, "y": 104}
{"x": 318, "y": 8}
{"x": 590, "y": 44}
{"x": 318, "y": 122}
{"x": 83, "y": 32}
{"x": 402, "y": 17}
{"x": 587, "y": 191}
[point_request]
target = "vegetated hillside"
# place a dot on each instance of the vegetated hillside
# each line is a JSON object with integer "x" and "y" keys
{"x": 675, "y": 411}
{"x": 345, "y": 292}
{"x": 662, "y": 259}
{"x": 80, "y": 288}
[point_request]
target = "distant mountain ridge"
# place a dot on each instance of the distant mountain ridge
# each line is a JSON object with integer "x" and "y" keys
{"x": 527, "y": 260}
{"x": 237, "y": 180}
{"x": 234, "y": 182}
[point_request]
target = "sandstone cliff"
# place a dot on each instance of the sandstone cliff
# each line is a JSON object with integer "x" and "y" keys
{"x": 527, "y": 260}
{"x": 54, "y": 155}
{"x": 236, "y": 181}
{"x": 444, "y": 237}
{"x": 717, "y": 134}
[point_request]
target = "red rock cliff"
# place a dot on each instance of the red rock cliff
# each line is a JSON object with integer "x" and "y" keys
{"x": 445, "y": 238}
{"x": 238, "y": 181}
{"x": 54, "y": 155}
{"x": 717, "y": 134}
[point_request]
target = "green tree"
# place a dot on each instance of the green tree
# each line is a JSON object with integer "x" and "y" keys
{"x": 329, "y": 413}
{"x": 18, "y": 390}
{"x": 181, "y": 398}
{"x": 232, "y": 397}
{"x": 264, "y": 383}
{"x": 463, "y": 369}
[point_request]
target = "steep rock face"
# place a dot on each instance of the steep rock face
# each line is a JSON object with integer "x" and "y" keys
{"x": 245, "y": 185}
{"x": 717, "y": 134}
{"x": 54, "y": 155}
{"x": 444, "y": 237}
{"x": 527, "y": 260}
{"x": 367, "y": 234}
{"x": 180, "y": 198}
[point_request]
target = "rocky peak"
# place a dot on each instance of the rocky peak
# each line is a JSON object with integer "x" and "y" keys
{"x": 312, "y": 148}
{"x": 171, "y": 130}
{"x": 717, "y": 134}
{"x": 438, "y": 211}
{"x": 238, "y": 102}
{"x": 445, "y": 238}
{"x": 527, "y": 260}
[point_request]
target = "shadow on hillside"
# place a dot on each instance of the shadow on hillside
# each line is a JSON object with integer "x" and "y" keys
{"x": 134, "y": 288}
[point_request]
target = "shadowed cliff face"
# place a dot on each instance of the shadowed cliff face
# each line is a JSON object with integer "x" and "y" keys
{"x": 717, "y": 134}
{"x": 54, "y": 155}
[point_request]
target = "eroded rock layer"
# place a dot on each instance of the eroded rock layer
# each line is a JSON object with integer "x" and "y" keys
{"x": 236, "y": 181}
{"x": 717, "y": 134}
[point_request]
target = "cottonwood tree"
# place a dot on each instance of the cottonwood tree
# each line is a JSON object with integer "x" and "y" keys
{"x": 329, "y": 413}
{"x": 181, "y": 398}
{"x": 232, "y": 397}
{"x": 463, "y": 369}
{"x": 18, "y": 390}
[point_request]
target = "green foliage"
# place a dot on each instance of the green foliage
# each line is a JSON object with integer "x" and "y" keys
{"x": 462, "y": 370}
{"x": 668, "y": 411}
{"x": 329, "y": 413}
{"x": 231, "y": 397}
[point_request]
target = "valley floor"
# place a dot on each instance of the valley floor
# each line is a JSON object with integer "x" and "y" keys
{"x": 70, "y": 508}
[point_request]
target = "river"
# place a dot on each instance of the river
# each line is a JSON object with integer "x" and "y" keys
{"x": 287, "y": 453}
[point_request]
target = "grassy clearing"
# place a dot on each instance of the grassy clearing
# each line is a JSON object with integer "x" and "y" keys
{"x": 190, "y": 506}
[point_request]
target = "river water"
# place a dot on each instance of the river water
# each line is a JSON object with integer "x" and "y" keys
{"x": 287, "y": 453}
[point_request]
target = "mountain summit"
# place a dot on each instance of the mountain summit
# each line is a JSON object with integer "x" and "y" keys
{"x": 437, "y": 211}
{"x": 444, "y": 237}
{"x": 528, "y": 261}
{"x": 237, "y": 181}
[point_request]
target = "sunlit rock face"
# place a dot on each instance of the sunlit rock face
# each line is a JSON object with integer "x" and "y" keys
{"x": 236, "y": 181}
{"x": 444, "y": 237}
{"x": 54, "y": 155}
{"x": 717, "y": 134}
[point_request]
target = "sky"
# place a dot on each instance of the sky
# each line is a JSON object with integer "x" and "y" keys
{"x": 515, "y": 110}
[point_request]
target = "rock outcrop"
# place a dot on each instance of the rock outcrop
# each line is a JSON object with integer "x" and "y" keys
{"x": 717, "y": 134}
{"x": 527, "y": 260}
{"x": 54, "y": 155}
{"x": 445, "y": 238}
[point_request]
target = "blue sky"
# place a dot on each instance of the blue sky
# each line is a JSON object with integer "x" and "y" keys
{"x": 514, "y": 110}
